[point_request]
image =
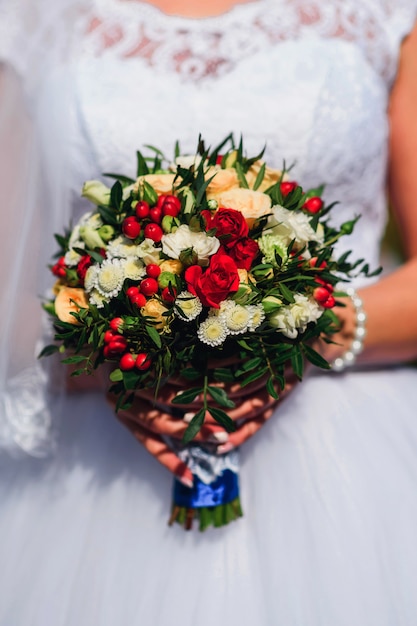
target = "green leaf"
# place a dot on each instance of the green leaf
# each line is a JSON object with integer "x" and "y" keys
{"x": 116, "y": 376}
{"x": 222, "y": 418}
{"x": 154, "y": 335}
{"x": 224, "y": 375}
{"x": 271, "y": 389}
{"x": 48, "y": 350}
{"x": 108, "y": 215}
{"x": 315, "y": 358}
{"x": 142, "y": 167}
{"x": 220, "y": 396}
{"x": 190, "y": 373}
{"x": 187, "y": 396}
{"x": 78, "y": 358}
{"x": 241, "y": 175}
{"x": 116, "y": 195}
{"x": 131, "y": 379}
{"x": 286, "y": 293}
{"x": 260, "y": 177}
{"x": 194, "y": 426}
{"x": 297, "y": 362}
{"x": 254, "y": 376}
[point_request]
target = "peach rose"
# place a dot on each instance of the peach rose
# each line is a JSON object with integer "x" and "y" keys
{"x": 162, "y": 183}
{"x": 172, "y": 265}
{"x": 153, "y": 308}
{"x": 252, "y": 204}
{"x": 224, "y": 179}
{"x": 270, "y": 178}
{"x": 70, "y": 300}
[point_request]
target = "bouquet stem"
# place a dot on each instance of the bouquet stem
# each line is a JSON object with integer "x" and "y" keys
{"x": 216, "y": 516}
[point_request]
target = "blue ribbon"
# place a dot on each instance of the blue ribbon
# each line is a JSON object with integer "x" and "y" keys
{"x": 223, "y": 490}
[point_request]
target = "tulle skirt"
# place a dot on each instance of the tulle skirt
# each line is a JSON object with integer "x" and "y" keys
{"x": 328, "y": 538}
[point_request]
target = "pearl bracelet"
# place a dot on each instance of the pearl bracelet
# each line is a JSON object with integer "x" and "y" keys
{"x": 349, "y": 357}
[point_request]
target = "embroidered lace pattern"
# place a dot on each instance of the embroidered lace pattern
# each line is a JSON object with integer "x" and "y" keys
{"x": 199, "y": 49}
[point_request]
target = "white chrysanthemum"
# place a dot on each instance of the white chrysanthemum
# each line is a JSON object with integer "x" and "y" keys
{"x": 212, "y": 331}
{"x": 236, "y": 317}
{"x": 72, "y": 258}
{"x": 257, "y": 316}
{"x": 121, "y": 248}
{"x": 110, "y": 277}
{"x": 97, "y": 299}
{"x": 189, "y": 306}
{"x": 133, "y": 269}
{"x": 90, "y": 279}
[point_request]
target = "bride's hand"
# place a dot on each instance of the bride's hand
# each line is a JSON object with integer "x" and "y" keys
{"x": 150, "y": 421}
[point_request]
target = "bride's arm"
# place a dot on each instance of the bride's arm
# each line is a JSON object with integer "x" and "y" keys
{"x": 391, "y": 304}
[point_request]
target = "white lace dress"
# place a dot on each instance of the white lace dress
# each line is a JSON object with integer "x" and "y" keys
{"x": 329, "y": 485}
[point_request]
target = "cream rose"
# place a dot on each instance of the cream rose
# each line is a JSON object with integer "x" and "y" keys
{"x": 252, "y": 204}
{"x": 173, "y": 265}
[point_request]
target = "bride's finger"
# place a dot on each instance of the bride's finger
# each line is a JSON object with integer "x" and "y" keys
{"x": 247, "y": 430}
{"x": 160, "y": 450}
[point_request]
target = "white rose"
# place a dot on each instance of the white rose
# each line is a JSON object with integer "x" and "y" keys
{"x": 283, "y": 321}
{"x": 183, "y": 238}
{"x": 291, "y": 225}
{"x": 96, "y": 192}
{"x": 147, "y": 252}
{"x": 304, "y": 310}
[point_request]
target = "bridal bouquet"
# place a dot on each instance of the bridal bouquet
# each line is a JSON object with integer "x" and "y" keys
{"x": 212, "y": 256}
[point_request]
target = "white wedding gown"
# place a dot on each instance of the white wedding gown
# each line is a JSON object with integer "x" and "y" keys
{"x": 329, "y": 486}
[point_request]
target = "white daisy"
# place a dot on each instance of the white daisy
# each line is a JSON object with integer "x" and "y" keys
{"x": 236, "y": 317}
{"x": 90, "y": 279}
{"x": 189, "y": 306}
{"x": 97, "y": 299}
{"x": 110, "y": 277}
{"x": 133, "y": 268}
{"x": 257, "y": 316}
{"x": 212, "y": 331}
{"x": 72, "y": 258}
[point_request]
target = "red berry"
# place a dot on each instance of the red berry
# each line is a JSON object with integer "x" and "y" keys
{"x": 313, "y": 263}
{"x": 330, "y": 302}
{"x": 59, "y": 268}
{"x": 143, "y": 362}
{"x": 321, "y": 295}
{"x": 117, "y": 346}
{"x": 108, "y": 336}
{"x": 327, "y": 286}
{"x": 154, "y": 232}
{"x": 149, "y": 286}
{"x": 313, "y": 205}
{"x": 170, "y": 205}
{"x": 142, "y": 209}
{"x": 138, "y": 299}
{"x": 153, "y": 270}
{"x": 155, "y": 214}
{"x": 287, "y": 187}
{"x": 132, "y": 291}
{"x": 167, "y": 295}
{"x": 116, "y": 324}
{"x": 219, "y": 159}
{"x": 127, "y": 362}
{"x": 131, "y": 227}
{"x": 106, "y": 352}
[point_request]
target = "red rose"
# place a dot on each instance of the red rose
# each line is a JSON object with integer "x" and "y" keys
{"x": 82, "y": 267}
{"x": 218, "y": 281}
{"x": 230, "y": 225}
{"x": 243, "y": 252}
